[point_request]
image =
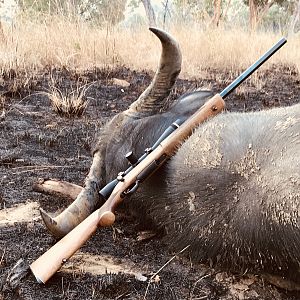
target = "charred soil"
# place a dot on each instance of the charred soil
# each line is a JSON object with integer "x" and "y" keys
{"x": 116, "y": 263}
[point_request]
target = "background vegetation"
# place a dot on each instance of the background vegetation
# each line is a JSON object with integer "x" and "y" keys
{"x": 81, "y": 34}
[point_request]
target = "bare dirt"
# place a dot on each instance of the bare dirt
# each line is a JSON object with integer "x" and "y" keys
{"x": 115, "y": 263}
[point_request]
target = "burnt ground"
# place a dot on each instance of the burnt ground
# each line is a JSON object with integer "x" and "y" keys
{"x": 35, "y": 142}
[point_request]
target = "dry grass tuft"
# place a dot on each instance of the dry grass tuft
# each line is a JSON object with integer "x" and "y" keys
{"x": 68, "y": 104}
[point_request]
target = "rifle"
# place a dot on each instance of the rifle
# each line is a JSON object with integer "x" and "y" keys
{"x": 127, "y": 182}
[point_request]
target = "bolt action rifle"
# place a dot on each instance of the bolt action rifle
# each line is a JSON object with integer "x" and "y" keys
{"x": 128, "y": 181}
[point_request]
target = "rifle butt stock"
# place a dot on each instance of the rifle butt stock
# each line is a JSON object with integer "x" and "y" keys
{"x": 51, "y": 261}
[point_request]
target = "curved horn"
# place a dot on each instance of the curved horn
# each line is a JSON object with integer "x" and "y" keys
{"x": 154, "y": 98}
{"x": 85, "y": 203}
{"x": 150, "y": 102}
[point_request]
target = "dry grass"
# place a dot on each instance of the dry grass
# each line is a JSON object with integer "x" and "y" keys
{"x": 32, "y": 44}
{"x": 68, "y": 103}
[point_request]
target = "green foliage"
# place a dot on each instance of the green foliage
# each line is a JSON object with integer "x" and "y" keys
{"x": 39, "y": 6}
{"x": 278, "y": 17}
{"x": 197, "y": 10}
{"x": 263, "y": 3}
{"x": 96, "y": 11}
{"x": 133, "y": 3}
{"x": 49, "y": 6}
{"x": 103, "y": 11}
{"x": 111, "y": 12}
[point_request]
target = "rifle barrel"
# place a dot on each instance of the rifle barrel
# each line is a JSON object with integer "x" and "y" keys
{"x": 252, "y": 68}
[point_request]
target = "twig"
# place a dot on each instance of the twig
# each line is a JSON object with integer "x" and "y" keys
{"x": 197, "y": 281}
{"x": 156, "y": 273}
{"x": 2, "y": 257}
{"x": 28, "y": 96}
{"x": 62, "y": 286}
{"x": 42, "y": 168}
{"x": 18, "y": 110}
{"x": 2, "y": 116}
{"x": 122, "y": 295}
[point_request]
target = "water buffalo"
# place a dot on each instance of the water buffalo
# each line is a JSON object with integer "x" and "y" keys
{"x": 231, "y": 192}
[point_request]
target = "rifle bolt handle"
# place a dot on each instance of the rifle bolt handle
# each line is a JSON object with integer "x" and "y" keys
{"x": 106, "y": 219}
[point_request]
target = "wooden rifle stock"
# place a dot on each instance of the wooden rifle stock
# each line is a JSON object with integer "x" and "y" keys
{"x": 51, "y": 261}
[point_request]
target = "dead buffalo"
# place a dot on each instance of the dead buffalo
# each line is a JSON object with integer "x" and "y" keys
{"x": 231, "y": 192}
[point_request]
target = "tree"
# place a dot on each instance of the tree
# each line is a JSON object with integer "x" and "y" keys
{"x": 149, "y": 13}
{"x": 166, "y": 11}
{"x": 98, "y": 11}
{"x": 103, "y": 11}
{"x": 217, "y": 13}
{"x": 208, "y": 11}
{"x": 2, "y": 36}
{"x": 295, "y": 17}
{"x": 258, "y": 9}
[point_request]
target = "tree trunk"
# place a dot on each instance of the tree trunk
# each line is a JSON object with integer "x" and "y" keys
{"x": 2, "y": 35}
{"x": 149, "y": 13}
{"x": 263, "y": 10}
{"x": 217, "y": 13}
{"x": 166, "y": 10}
{"x": 295, "y": 18}
{"x": 257, "y": 13}
{"x": 224, "y": 16}
{"x": 253, "y": 15}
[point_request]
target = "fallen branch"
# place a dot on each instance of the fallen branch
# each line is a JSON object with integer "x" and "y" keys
{"x": 54, "y": 186}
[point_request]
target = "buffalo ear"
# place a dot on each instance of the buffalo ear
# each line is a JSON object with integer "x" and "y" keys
{"x": 188, "y": 103}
